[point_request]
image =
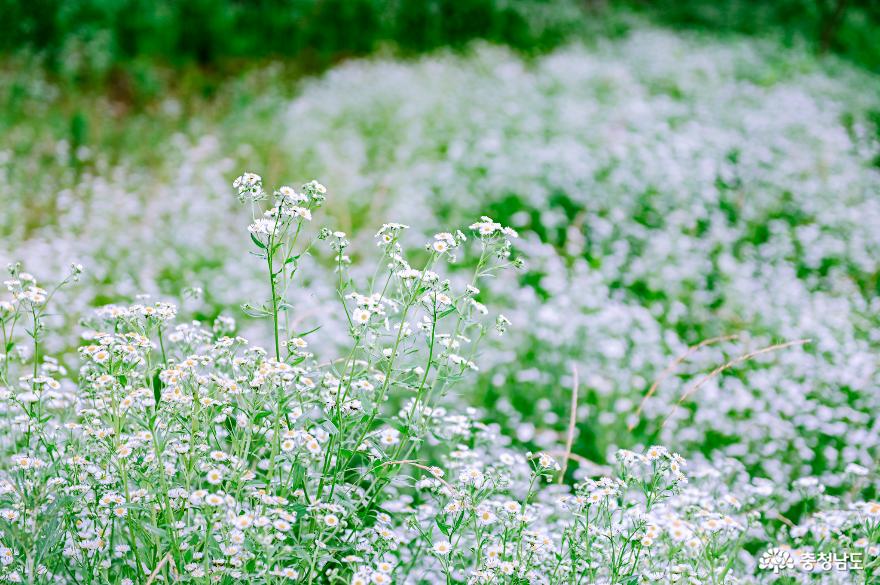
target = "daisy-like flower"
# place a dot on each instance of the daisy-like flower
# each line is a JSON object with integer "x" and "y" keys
{"x": 214, "y": 476}
{"x": 485, "y": 516}
{"x": 389, "y": 437}
{"x": 300, "y": 212}
{"x": 243, "y": 522}
{"x": 487, "y": 228}
{"x": 655, "y": 453}
{"x": 286, "y": 572}
{"x": 249, "y": 186}
{"x": 214, "y": 500}
{"x": 548, "y": 462}
{"x": 313, "y": 447}
{"x": 871, "y": 509}
{"x": 361, "y": 316}
{"x": 288, "y": 195}
{"x": 442, "y": 547}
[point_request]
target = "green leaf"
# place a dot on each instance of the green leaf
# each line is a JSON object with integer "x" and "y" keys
{"x": 252, "y": 312}
{"x": 157, "y": 387}
{"x": 309, "y": 332}
{"x": 329, "y": 427}
{"x": 258, "y": 243}
{"x": 443, "y": 526}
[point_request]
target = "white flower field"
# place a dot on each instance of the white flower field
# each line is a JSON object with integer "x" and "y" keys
{"x": 608, "y": 315}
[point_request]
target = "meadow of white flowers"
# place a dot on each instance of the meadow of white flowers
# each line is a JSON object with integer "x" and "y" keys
{"x": 205, "y": 383}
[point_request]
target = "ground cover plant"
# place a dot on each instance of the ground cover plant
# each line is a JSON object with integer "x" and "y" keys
{"x": 184, "y": 453}
{"x": 695, "y": 266}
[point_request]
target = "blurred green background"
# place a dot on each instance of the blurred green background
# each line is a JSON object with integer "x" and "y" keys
{"x": 120, "y": 42}
{"x": 108, "y": 66}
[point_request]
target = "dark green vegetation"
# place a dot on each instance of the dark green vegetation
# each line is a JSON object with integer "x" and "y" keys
{"x": 849, "y": 28}
{"x": 217, "y": 33}
{"x": 115, "y": 39}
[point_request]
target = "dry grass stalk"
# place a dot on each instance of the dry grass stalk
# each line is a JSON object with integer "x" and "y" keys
{"x": 671, "y": 368}
{"x": 572, "y": 419}
{"x": 159, "y": 568}
{"x": 592, "y": 467}
{"x": 743, "y": 358}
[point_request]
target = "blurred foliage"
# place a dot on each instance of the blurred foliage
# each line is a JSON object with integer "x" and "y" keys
{"x": 109, "y": 39}
{"x": 135, "y": 50}
{"x": 849, "y": 28}
{"x": 107, "y": 32}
